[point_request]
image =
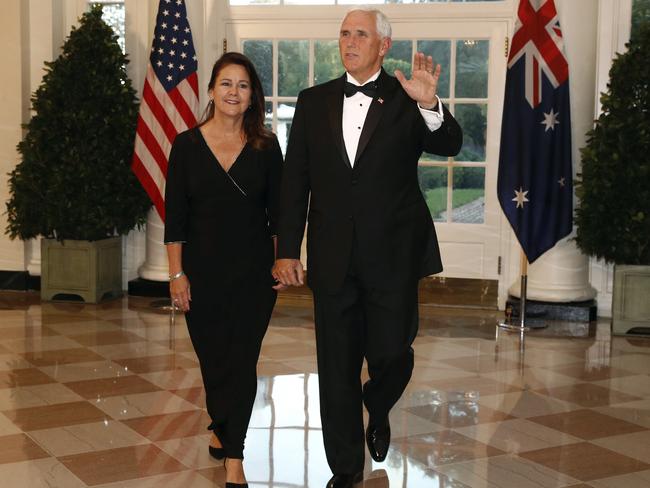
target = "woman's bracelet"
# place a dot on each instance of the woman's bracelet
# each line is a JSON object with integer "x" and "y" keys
{"x": 177, "y": 275}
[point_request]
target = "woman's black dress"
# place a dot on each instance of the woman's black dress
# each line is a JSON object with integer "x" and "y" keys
{"x": 225, "y": 221}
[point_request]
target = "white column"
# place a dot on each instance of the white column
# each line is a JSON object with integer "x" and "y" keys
{"x": 562, "y": 274}
{"x": 155, "y": 266}
{"x": 45, "y": 39}
{"x": 33, "y": 256}
{"x": 139, "y": 21}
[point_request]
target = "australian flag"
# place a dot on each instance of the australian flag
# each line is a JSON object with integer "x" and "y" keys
{"x": 535, "y": 175}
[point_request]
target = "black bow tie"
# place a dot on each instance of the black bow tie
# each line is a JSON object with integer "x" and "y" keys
{"x": 368, "y": 89}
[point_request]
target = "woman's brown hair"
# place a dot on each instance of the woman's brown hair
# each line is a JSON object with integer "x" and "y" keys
{"x": 257, "y": 135}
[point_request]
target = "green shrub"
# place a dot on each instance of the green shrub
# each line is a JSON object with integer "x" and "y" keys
{"x": 74, "y": 180}
{"x": 613, "y": 219}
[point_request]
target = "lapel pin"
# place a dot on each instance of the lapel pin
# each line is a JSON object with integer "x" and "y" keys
{"x": 380, "y": 100}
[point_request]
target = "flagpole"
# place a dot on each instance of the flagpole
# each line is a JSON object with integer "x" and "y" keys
{"x": 507, "y": 324}
{"x": 523, "y": 265}
{"x": 522, "y": 326}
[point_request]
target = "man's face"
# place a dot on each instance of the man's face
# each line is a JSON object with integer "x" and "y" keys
{"x": 362, "y": 48}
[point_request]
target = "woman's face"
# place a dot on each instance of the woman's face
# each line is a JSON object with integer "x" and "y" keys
{"x": 232, "y": 91}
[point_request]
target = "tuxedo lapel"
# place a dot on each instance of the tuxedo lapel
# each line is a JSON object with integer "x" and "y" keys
{"x": 335, "y": 112}
{"x": 386, "y": 87}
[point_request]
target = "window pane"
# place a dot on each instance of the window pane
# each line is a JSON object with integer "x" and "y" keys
{"x": 347, "y": 2}
{"x": 359, "y": 2}
{"x": 285, "y": 116}
{"x": 426, "y": 157}
{"x": 293, "y": 69}
{"x": 113, "y": 15}
{"x": 309, "y": 2}
{"x": 268, "y": 115}
{"x": 327, "y": 61}
{"x": 468, "y": 197}
{"x": 472, "y": 68}
{"x": 440, "y": 51}
{"x": 433, "y": 183}
{"x": 399, "y": 57}
{"x": 473, "y": 119}
{"x": 411, "y": 1}
{"x": 261, "y": 55}
{"x": 254, "y": 2}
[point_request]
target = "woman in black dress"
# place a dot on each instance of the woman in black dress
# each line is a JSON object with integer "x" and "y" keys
{"x": 221, "y": 206}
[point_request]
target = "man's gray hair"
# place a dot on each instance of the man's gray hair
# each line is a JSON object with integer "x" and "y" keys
{"x": 383, "y": 25}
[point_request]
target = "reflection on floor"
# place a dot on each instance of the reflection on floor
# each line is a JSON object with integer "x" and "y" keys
{"x": 111, "y": 395}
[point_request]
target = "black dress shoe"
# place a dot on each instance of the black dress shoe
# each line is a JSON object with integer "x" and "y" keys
{"x": 378, "y": 439}
{"x": 217, "y": 452}
{"x": 345, "y": 480}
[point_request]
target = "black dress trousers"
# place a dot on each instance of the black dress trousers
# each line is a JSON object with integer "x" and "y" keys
{"x": 355, "y": 322}
{"x": 227, "y": 331}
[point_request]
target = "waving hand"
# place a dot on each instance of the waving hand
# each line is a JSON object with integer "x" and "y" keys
{"x": 423, "y": 85}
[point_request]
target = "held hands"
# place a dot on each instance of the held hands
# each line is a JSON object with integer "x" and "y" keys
{"x": 423, "y": 85}
{"x": 179, "y": 290}
{"x": 279, "y": 286}
{"x": 288, "y": 272}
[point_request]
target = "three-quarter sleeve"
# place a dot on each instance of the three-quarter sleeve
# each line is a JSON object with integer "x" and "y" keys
{"x": 274, "y": 180}
{"x": 176, "y": 197}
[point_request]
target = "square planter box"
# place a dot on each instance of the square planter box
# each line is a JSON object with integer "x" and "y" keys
{"x": 631, "y": 301}
{"x": 91, "y": 270}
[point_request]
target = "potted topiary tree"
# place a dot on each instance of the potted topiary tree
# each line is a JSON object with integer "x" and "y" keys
{"x": 613, "y": 219}
{"x": 74, "y": 185}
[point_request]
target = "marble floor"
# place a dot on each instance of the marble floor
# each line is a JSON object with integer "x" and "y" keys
{"x": 110, "y": 396}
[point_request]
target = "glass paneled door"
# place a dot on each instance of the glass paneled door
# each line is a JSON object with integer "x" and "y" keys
{"x": 460, "y": 191}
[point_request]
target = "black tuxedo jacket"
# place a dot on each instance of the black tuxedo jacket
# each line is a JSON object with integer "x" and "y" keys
{"x": 377, "y": 202}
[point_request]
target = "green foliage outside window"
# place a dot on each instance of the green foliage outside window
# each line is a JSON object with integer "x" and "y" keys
{"x": 613, "y": 218}
{"x": 74, "y": 180}
{"x": 293, "y": 69}
{"x": 261, "y": 55}
{"x": 471, "y": 82}
{"x": 472, "y": 68}
{"x": 473, "y": 119}
{"x": 327, "y": 61}
{"x": 470, "y": 177}
{"x": 293, "y": 61}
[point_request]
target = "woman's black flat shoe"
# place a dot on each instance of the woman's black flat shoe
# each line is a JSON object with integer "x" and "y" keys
{"x": 218, "y": 453}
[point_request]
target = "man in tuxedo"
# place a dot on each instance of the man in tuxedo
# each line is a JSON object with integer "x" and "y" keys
{"x": 351, "y": 172}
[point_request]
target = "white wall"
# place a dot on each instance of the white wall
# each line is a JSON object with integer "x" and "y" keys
{"x": 14, "y": 90}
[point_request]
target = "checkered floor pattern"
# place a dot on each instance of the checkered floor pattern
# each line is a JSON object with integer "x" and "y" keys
{"x": 110, "y": 396}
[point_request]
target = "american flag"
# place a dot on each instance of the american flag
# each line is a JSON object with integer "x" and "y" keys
{"x": 170, "y": 98}
{"x": 535, "y": 174}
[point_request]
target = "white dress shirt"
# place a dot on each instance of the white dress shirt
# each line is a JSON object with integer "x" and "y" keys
{"x": 355, "y": 109}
